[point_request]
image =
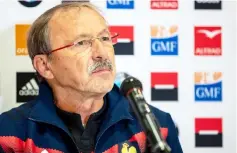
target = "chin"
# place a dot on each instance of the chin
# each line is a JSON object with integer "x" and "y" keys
{"x": 104, "y": 88}
{"x": 100, "y": 86}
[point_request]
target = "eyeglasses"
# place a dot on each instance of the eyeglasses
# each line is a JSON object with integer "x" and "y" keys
{"x": 81, "y": 45}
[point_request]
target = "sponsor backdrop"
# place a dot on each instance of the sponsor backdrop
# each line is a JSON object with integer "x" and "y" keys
{"x": 182, "y": 51}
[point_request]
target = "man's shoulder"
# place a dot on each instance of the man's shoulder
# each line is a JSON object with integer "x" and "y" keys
{"x": 13, "y": 125}
{"x": 163, "y": 117}
{"x": 15, "y": 117}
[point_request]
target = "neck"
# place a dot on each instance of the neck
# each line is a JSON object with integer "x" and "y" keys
{"x": 74, "y": 101}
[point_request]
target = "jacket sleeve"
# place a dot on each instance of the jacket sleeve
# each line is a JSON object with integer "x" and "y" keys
{"x": 11, "y": 131}
{"x": 172, "y": 139}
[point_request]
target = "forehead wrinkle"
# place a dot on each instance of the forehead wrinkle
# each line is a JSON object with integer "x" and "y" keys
{"x": 70, "y": 16}
{"x": 58, "y": 20}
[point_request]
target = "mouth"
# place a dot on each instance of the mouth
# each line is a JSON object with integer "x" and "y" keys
{"x": 101, "y": 70}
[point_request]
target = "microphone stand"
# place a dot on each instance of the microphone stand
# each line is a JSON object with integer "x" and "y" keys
{"x": 132, "y": 89}
{"x": 154, "y": 146}
{"x": 162, "y": 148}
{"x": 150, "y": 125}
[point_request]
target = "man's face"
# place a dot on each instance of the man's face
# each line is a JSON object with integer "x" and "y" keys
{"x": 86, "y": 70}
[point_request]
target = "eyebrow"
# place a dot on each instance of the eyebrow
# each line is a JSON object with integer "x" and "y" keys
{"x": 87, "y": 35}
{"x": 105, "y": 30}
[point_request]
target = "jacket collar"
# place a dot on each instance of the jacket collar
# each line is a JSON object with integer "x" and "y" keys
{"x": 118, "y": 110}
{"x": 45, "y": 111}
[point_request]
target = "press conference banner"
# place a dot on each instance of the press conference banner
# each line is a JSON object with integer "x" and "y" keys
{"x": 183, "y": 51}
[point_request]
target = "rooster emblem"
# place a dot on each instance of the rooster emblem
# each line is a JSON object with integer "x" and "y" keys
{"x": 127, "y": 149}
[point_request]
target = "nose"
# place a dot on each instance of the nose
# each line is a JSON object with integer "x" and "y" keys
{"x": 98, "y": 50}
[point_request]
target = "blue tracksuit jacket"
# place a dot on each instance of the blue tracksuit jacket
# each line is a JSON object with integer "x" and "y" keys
{"x": 34, "y": 127}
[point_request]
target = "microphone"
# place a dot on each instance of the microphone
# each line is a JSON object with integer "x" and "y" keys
{"x": 132, "y": 89}
{"x": 120, "y": 77}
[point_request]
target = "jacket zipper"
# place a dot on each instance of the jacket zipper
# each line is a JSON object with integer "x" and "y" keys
{"x": 106, "y": 130}
{"x": 72, "y": 138}
{"x": 59, "y": 128}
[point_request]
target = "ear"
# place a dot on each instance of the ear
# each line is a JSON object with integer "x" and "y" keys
{"x": 41, "y": 65}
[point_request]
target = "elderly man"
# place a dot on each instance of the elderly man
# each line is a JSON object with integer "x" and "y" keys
{"x": 79, "y": 109}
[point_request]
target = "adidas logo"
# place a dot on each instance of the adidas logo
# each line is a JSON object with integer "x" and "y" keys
{"x": 30, "y": 89}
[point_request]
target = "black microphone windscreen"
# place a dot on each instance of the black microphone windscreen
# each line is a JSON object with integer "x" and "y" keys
{"x": 130, "y": 83}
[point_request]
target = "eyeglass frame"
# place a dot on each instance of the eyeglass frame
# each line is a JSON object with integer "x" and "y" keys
{"x": 76, "y": 42}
